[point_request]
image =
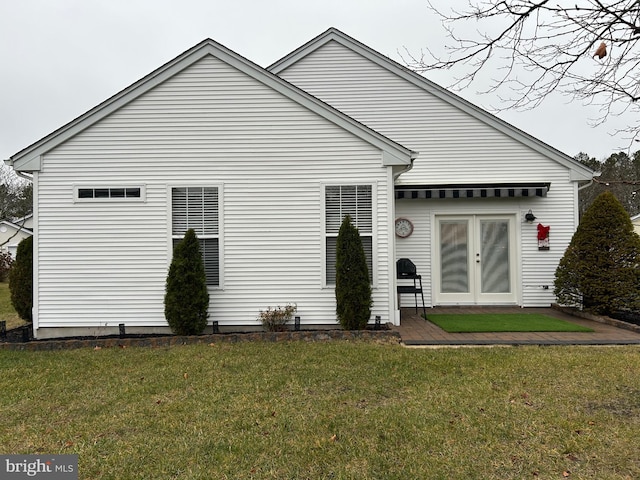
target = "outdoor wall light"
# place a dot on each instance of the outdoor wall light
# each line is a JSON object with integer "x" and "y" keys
{"x": 530, "y": 217}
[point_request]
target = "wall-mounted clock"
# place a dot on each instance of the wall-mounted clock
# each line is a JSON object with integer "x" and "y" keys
{"x": 404, "y": 227}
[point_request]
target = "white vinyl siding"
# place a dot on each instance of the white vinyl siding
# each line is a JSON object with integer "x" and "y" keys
{"x": 454, "y": 148}
{"x": 356, "y": 201}
{"x": 197, "y": 208}
{"x": 105, "y": 263}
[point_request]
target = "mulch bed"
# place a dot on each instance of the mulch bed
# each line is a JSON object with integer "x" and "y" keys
{"x": 19, "y": 334}
{"x": 629, "y": 317}
{"x": 21, "y": 338}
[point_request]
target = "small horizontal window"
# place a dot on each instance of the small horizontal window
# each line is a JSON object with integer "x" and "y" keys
{"x": 109, "y": 193}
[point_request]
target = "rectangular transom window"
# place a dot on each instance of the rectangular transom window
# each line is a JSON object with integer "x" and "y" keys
{"x": 197, "y": 208}
{"x": 357, "y": 202}
{"x": 131, "y": 193}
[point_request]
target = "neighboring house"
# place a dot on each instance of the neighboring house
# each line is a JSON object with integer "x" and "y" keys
{"x": 264, "y": 170}
{"x": 636, "y": 223}
{"x": 13, "y": 232}
{"x": 472, "y": 185}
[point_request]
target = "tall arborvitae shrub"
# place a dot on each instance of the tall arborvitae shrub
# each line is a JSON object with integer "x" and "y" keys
{"x": 600, "y": 269}
{"x": 353, "y": 286}
{"x": 186, "y": 299}
{"x": 21, "y": 280}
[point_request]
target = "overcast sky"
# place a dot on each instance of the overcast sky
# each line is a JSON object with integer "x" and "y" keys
{"x": 59, "y": 58}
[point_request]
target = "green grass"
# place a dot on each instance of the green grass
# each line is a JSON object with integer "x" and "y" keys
{"x": 327, "y": 410}
{"x": 7, "y": 312}
{"x": 519, "y": 322}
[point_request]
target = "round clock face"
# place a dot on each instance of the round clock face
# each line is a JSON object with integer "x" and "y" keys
{"x": 404, "y": 227}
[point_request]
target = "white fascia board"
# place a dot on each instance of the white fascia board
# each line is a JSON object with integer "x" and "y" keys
{"x": 16, "y": 227}
{"x": 24, "y": 219}
{"x": 390, "y": 159}
{"x": 31, "y": 163}
{"x": 29, "y": 159}
{"x": 579, "y": 175}
{"x": 578, "y": 172}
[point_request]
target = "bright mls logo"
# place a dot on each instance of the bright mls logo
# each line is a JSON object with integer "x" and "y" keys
{"x": 50, "y": 467}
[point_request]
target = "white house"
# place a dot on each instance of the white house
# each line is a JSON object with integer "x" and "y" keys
{"x": 470, "y": 189}
{"x": 13, "y": 232}
{"x": 261, "y": 169}
{"x": 264, "y": 165}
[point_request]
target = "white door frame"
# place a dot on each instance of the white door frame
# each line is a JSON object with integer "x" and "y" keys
{"x": 474, "y": 262}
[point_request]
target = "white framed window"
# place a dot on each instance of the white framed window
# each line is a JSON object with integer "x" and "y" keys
{"x": 198, "y": 208}
{"x": 340, "y": 201}
{"x": 110, "y": 193}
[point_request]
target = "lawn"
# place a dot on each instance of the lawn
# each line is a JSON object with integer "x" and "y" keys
{"x": 340, "y": 410}
{"x": 7, "y": 313}
{"x": 503, "y": 322}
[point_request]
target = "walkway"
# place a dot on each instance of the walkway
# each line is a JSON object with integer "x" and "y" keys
{"x": 414, "y": 330}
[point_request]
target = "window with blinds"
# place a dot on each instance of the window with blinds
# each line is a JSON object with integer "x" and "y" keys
{"x": 357, "y": 202}
{"x": 198, "y": 208}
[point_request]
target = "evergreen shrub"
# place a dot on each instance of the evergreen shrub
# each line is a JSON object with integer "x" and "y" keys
{"x": 21, "y": 280}
{"x": 186, "y": 300}
{"x": 600, "y": 270}
{"x": 353, "y": 285}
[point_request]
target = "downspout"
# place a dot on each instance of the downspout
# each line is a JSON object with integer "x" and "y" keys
{"x": 396, "y": 306}
{"x": 404, "y": 170}
{"x": 26, "y": 176}
{"x": 590, "y": 182}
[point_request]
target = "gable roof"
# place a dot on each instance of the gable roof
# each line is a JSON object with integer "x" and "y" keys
{"x": 16, "y": 226}
{"x": 29, "y": 159}
{"x": 578, "y": 171}
{"x": 23, "y": 219}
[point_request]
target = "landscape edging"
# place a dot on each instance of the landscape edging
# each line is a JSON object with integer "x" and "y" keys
{"x": 381, "y": 336}
{"x": 597, "y": 318}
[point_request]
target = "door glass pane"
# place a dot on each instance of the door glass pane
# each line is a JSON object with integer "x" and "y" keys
{"x": 494, "y": 251}
{"x": 454, "y": 256}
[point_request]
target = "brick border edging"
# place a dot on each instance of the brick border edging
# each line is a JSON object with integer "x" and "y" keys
{"x": 381, "y": 336}
{"x": 597, "y": 318}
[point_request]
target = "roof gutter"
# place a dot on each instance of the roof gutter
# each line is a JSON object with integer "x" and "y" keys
{"x": 404, "y": 169}
{"x": 590, "y": 182}
{"x": 26, "y": 176}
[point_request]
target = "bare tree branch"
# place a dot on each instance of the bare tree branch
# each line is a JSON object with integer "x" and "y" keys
{"x": 20, "y": 229}
{"x": 540, "y": 47}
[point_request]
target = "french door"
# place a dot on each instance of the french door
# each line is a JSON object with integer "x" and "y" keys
{"x": 475, "y": 258}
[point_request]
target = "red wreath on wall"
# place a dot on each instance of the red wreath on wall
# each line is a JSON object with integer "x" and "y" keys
{"x": 543, "y": 237}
